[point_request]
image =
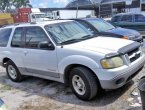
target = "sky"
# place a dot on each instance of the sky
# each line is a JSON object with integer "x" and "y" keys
{"x": 48, "y": 3}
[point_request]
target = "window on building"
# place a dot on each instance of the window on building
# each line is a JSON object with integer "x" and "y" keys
{"x": 17, "y": 38}
{"x": 4, "y": 36}
{"x": 143, "y": 7}
{"x": 127, "y": 18}
{"x": 34, "y": 36}
{"x": 139, "y": 18}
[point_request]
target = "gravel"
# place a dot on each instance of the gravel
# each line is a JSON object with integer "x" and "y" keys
{"x": 39, "y": 94}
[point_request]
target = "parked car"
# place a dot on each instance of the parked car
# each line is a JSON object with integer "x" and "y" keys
{"x": 101, "y": 27}
{"x": 134, "y": 21}
{"x": 65, "y": 51}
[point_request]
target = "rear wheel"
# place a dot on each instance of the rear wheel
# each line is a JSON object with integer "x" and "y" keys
{"x": 83, "y": 83}
{"x": 13, "y": 72}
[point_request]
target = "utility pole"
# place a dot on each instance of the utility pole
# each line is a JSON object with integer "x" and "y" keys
{"x": 77, "y": 8}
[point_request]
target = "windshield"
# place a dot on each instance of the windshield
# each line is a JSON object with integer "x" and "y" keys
{"x": 101, "y": 25}
{"x": 39, "y": 15}
{"x": 67, "y": 31}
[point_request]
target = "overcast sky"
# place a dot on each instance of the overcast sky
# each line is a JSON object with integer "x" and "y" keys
{"x": 49, "y": 3}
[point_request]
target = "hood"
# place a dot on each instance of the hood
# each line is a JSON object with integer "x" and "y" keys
{"x": 100, "y": 44}
{"x": 45, "y": 19}
{"x": 125, "y": 32}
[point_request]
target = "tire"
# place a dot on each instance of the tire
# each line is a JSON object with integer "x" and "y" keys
{"x": 88, "y": 88}
{"x": 13, "y": 72}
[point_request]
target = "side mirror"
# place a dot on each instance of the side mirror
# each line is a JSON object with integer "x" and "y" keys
{"x": 46, "y": 45}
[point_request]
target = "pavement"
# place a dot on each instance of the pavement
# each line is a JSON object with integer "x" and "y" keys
{"x": 39, "y": 94}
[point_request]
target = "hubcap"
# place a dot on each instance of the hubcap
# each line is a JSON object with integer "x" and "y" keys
{"x": 12, "y": 72}
{"x": 78, "y": 85}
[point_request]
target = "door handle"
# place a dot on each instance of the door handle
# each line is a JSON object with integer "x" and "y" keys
{"x": 25, "y": 52}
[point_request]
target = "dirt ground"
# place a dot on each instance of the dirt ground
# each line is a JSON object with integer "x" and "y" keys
{"x": 39, "y": 94}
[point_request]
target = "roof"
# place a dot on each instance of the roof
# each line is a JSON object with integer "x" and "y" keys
{"x": 86, "y": 3}
{"x": 41, "y": 23}
{"x": 87, "y": 19}
{"x": 130, "y": 13}
{"x": 112, "y": 1}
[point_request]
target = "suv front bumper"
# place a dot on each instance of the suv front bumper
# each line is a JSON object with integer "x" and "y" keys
{"x": 116, "y": 78}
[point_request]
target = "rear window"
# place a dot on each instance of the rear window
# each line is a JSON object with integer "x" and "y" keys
{"x": 139, "y": 18}
{"x": 127, "y": 18}
{"x": 4, "y": 36}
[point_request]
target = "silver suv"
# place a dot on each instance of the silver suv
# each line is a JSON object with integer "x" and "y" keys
{"x": 67, "y": 52}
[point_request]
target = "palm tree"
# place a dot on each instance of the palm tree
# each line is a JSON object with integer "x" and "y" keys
{"x": 5, "y": 5}
{"x": 21, "y": 3}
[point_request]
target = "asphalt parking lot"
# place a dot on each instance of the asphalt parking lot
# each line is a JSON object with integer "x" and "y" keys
{"x": 39, "y": 94}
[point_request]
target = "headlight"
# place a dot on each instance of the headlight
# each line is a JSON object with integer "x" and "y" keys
{"x": 113, "y": 62}
{"x": 125, "y": 37}
{"x": 131, "y": 37}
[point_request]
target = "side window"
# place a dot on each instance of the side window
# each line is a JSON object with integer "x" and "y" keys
{"x": 139, "y": 18}
{"x": 4, "y": 37}
{"x": 115, "y": 19}
{"x": 17, "y": 38}
{"x": 127, "y": 18}
{"x": 34, "y": 36}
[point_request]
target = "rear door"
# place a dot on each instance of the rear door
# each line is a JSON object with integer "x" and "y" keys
{"x": 38, "y": 61}
{"x": 139, "y": 22}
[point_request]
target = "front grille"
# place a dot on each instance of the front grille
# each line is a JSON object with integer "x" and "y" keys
{"x": 133, "y": 51}
{"x": 139, "y": 40}
{"x": 134, "y": 54}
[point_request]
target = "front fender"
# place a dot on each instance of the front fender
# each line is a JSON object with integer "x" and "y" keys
{"x": 76, "y": 59}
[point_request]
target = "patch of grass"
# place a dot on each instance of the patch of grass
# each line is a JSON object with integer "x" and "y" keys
{"x": 6, "y": 87}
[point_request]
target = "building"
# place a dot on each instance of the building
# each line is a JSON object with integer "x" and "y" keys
{"x": 107, "y": 8}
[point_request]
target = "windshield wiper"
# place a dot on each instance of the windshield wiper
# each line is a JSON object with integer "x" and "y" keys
{"x": 89, "y": 36}
{"x": 70, "y": 41}
{"x": 80, "y": 39}
{"x": 86, "y": 36}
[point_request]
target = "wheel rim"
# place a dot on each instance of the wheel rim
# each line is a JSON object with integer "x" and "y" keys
{"x": 12, "y": 72}
{"x": 78, "y": 85}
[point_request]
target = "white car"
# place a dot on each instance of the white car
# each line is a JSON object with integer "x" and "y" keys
{"x": 65, "y": 51}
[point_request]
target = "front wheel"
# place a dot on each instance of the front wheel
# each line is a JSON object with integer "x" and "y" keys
{"x": 13, "y": 72}
{"x": 83, "y": 83}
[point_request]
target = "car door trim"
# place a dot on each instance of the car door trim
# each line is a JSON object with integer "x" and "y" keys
{"x": 30, "y": 71}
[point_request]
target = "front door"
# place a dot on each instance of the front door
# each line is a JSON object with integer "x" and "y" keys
{"x": 39, "y": 61}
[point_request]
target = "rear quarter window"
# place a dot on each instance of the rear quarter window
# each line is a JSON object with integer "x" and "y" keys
{"x": 139, "y": 18}
{"x": 4, "y": 36}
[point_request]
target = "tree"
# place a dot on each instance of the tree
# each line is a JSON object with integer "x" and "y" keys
{"x": 5, "y": 5}
{"x": 21, "y": 3}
